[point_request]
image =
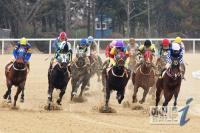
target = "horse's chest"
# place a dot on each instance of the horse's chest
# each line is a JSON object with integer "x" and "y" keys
{"x": 145, "y": 80}
{"x": 117, "y": 83}
{"x": 59, "y": 80}
{"x": 18, "y": 78}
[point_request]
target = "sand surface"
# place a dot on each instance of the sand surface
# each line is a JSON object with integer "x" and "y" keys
{"x": 30, "y": 116}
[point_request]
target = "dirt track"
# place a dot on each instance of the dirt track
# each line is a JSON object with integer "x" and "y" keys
{"x": 30, "y": 117}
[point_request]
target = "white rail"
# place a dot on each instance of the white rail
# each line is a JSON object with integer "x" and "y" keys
{"x": 193, "y": 40}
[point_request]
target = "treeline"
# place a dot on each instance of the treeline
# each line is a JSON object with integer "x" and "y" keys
{"x": 138, "y": 18}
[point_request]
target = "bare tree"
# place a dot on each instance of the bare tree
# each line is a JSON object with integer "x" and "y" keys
{"x": 23, "y": 13}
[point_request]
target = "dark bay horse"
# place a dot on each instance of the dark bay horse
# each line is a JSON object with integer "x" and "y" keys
{"x": 116, "y": 78}
{"x": 16, "y": 75}
{"x": 96, "y": 67}
{"x": 80, "y": 73}
{"x": 170, "y": 83}
{"x": 144, "y": 77}
{"x": 58, "y": 77}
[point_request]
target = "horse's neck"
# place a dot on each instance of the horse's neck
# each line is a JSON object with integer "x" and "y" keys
{"x": 118, "y": 71}
{"x": 145, "y": 69}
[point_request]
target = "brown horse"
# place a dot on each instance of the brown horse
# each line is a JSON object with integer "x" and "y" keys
{"x": 170, "y": 83}
{"x": 144, "y": 77}
{"x": 16, "y": 75}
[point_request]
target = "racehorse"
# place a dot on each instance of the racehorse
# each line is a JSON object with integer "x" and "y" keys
{"x": 80, "y": 73}
{"x": 116, "y": 78}
{"x": 58, "y": 77}
{"x": 16, "y": 74}
{"x": 170, "y": 83}
{"x": 96, "y": 67}
{"x": 144, "y": 77}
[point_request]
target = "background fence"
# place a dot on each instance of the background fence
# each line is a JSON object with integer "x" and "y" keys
{"x": 44, "y": 45}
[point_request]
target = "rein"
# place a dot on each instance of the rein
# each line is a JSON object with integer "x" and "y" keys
{"x": 80, "y": 67}
{"x": 120, "y": 76}
{"x": 19, "y": 69}
{"x": 172, "y": 76}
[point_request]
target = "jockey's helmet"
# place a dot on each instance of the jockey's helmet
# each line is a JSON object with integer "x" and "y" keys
{"x": 23, "y": 41}
{"x": 165, "y": 42}
{"x": 90, "y": 40}
{"x": 119, "y": 45}
{"x": 112, "y": 44}
{"x": 132, "y": 41}
{"x": 63, "y": 36}
{"x": 83, "y": 42}
{"x": 175, "y": 48}
{"x": 147, "y": 43}
{"x": 178, "y": 40}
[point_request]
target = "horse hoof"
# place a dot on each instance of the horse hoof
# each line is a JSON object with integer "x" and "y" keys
{"x": 174, "y": 109}
{"x": 134, "y": 100}
{"x": 21, "y": 100}
{"x": 141, "y": 101}
{"x": 86, "y": 88}
{"x": 105, "y": 108}
{"x": 5, "y": 97}
{"x": 9, "y": 101}
{"x": 58, "y": 102}
{"x": 74, "y": 94}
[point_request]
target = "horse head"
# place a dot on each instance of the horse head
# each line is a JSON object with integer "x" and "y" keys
{"x": 19, "y": 63}
{"x": 120, "y": 59}
{"x": 174, "y": 69}
{"x": 148, "y": 58}
{"x": 81, "y": 55}
{"x": 64, "y": 61}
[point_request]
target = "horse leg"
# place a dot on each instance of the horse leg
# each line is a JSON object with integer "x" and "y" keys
{"x": 87, "y": 86}
{"x": 175, "y": 97}
{"x": 19, "y": 89}
{"x": 62, "y": 92}
{"x": 146, "y": 90}
{"x": 8, "y": 93}
{"x": 104, "y": 79}
{"x": 158, "y": 92}
{"x": 107, "y": 98}
{"x": 75, "y": 85}
{"x": 84, "y": 84}
{"x": 168, "y": 97}
{"x": 120, "y": 95}
{"x": 22, "y": 96}
{"x": 135, "y": 94}
{"x": 50, "y": 92}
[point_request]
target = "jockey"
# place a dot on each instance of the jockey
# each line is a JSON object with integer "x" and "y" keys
{"x": 164, "y": 47}
{"x": 119, "y": 47}
{"x": 23, "y": 43}
{"x": 59, "y": 44}
{"x": 86, "y": 49}
{"x": 108, "y": 48}
{"x": 179, "y": 41}
{"x": 132, "y": 46}
{"x": 141, "y": 50}
{"x": 92, "y": 44}
{"x": 93, "y": 47}
{"x": 107, "y": 53}
{"x": 175, "y": 52}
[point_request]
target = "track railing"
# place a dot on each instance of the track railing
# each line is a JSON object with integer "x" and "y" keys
{"x": 75, "y": 41}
